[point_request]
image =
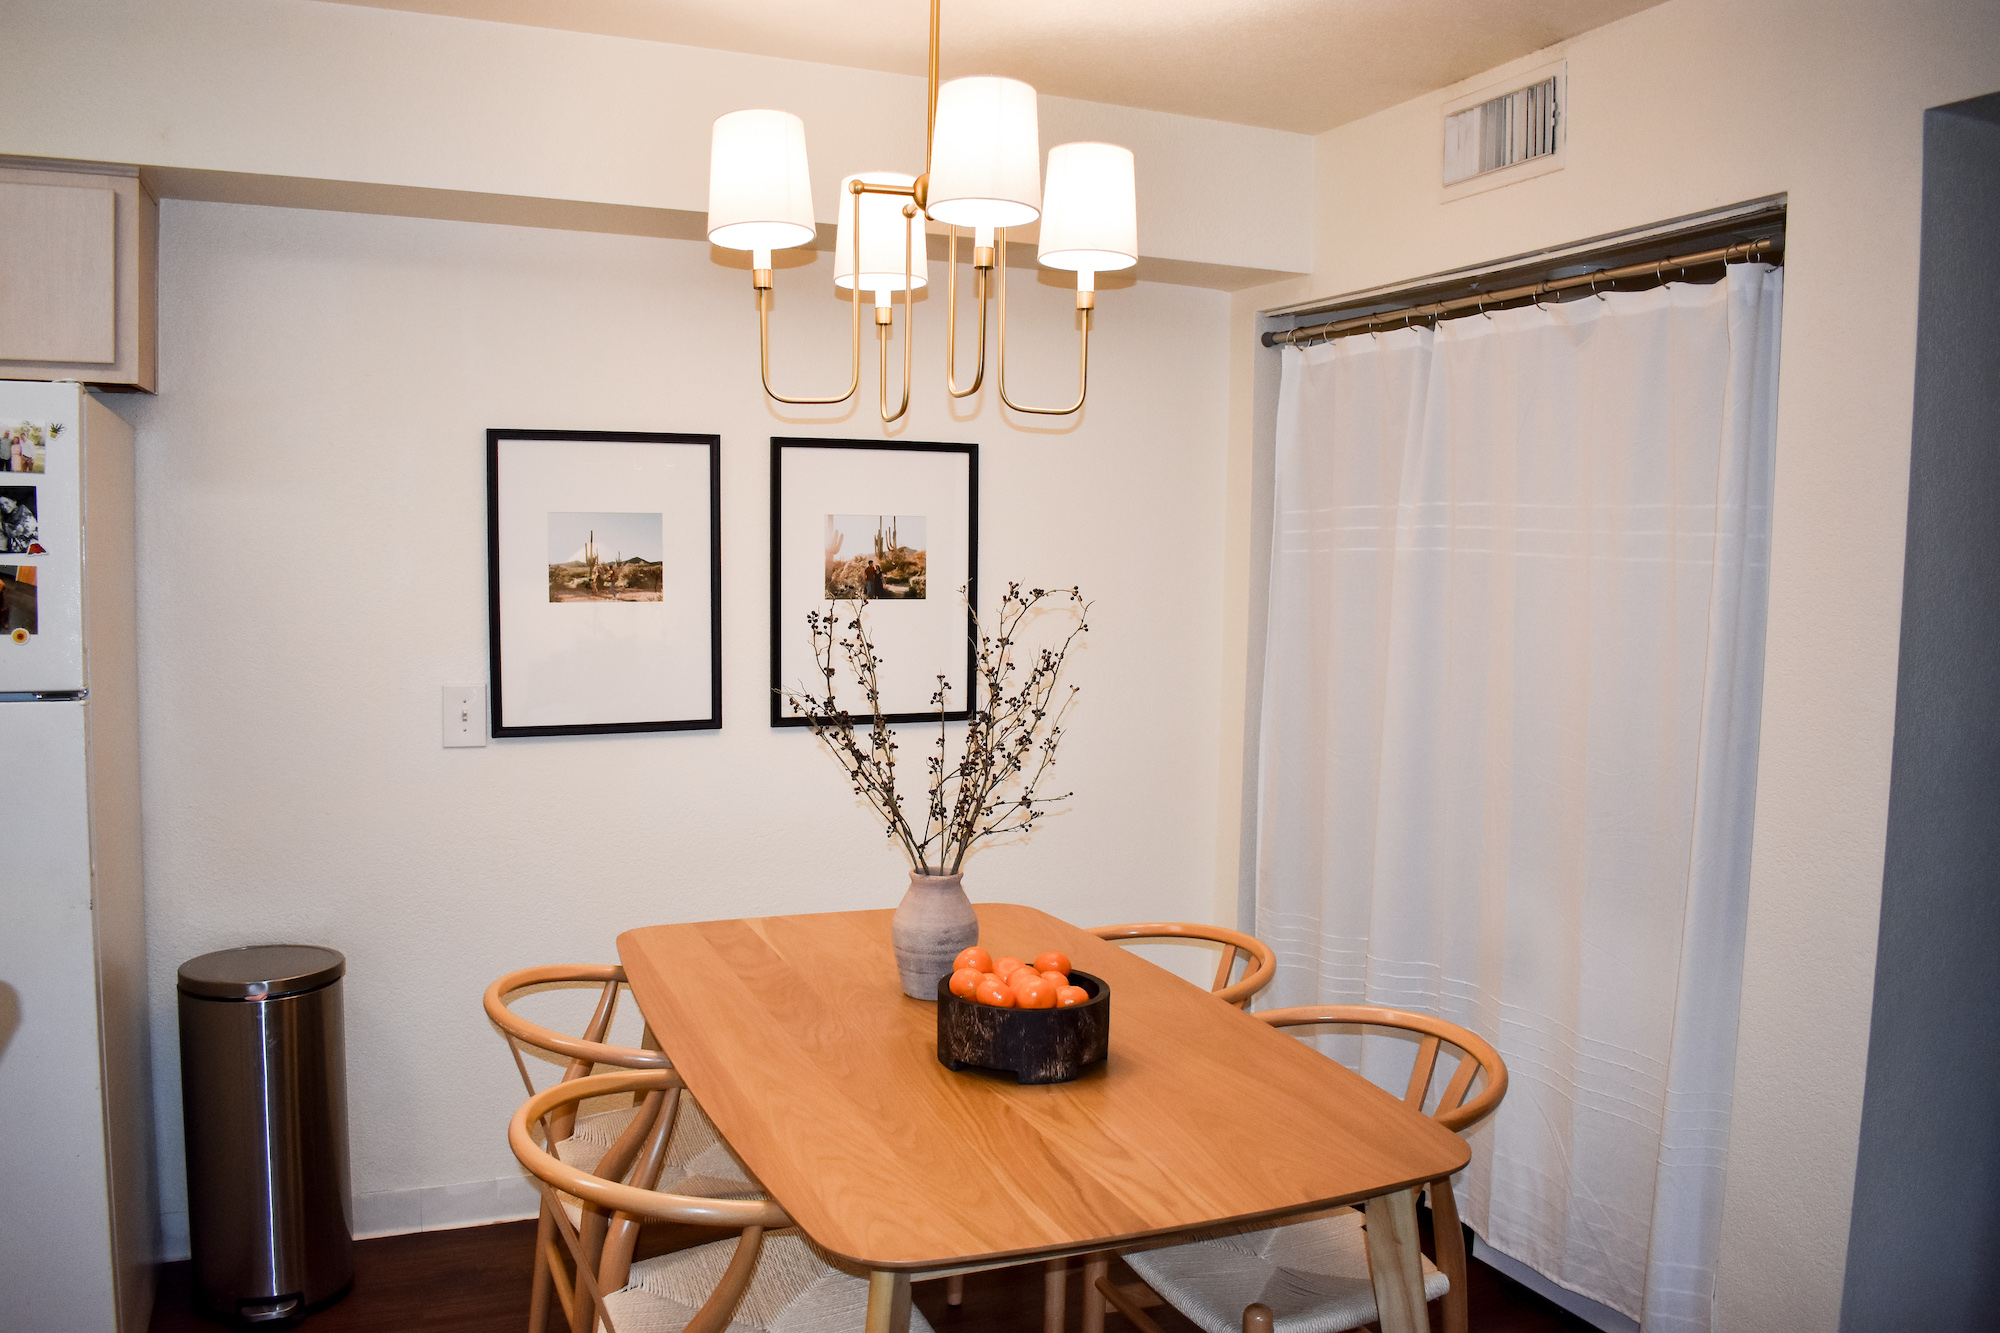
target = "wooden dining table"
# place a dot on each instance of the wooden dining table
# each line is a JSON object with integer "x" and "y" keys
{"x": 793, "y": 1034}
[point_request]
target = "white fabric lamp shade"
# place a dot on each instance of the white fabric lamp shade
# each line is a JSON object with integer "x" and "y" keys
{"x": 883, "y": 228}
{"x": 759, "y": 192}
{"x": 986, "y": 154}
{"x": 1091, "y": 222}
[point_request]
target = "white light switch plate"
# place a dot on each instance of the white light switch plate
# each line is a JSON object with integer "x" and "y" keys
{"x": 464, "y": 716}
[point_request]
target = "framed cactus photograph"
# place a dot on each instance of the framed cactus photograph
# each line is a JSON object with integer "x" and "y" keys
{"x": 876, "y": 557}
{"x": 603, "y": 582}
{"x": 894, "y": 527}
{"x": 627, "y": 565}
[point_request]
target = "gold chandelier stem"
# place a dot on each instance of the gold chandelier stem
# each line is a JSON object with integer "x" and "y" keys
{"x": 951, "y": 323}
{"x": 930, "y": 129}
{"x": 764, "y": 332}
{"x": 909, "y": 323}
{"x": 1083, "y": 362}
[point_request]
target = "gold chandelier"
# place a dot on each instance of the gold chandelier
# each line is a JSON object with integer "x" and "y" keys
{"x": 982, "y": 173}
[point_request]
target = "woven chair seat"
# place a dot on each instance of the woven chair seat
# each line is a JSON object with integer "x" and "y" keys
{"x": 796, "y": 1289}
{"x": 698, "y": 1161}
{"x": 1313, "y": 1274}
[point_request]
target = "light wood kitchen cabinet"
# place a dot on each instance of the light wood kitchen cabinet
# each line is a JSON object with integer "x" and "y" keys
{"x": 78, "y": 250}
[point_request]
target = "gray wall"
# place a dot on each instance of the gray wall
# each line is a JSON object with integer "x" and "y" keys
{"x": 1924, "y": 1251}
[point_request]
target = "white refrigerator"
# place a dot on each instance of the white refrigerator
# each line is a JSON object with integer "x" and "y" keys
{"x": 78, "y": 1221}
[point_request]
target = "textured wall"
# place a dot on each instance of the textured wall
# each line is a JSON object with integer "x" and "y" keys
{"x": 312, "y": 570}
{"x": 1687, "y": 106}
{"x": 1926, "y": 1219}
{"x": 296, "y": 88}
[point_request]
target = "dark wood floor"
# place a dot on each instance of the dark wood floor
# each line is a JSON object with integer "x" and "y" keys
{"x": 475, "y": 1280}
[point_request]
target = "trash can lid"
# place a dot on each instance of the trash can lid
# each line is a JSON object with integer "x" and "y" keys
{"x": 261, "y": 972}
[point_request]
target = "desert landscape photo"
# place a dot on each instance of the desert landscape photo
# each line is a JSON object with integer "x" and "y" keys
{"x": 875, "y": 557}
{"x": 604, "y": 557}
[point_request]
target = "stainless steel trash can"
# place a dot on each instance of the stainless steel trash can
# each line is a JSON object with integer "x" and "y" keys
{"x": 264, "y": 1101}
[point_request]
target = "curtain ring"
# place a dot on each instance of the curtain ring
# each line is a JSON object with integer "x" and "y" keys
{"x": 1593, "y": 287}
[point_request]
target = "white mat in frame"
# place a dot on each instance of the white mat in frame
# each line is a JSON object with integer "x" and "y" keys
{"x": 824, "y": 490}
{"x": 619, "y": 634}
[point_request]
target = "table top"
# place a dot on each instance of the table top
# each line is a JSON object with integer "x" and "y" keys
{"x": 795, "y": 1037}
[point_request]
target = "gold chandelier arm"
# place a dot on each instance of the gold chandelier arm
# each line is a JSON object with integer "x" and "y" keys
{"x": 1083, "y": 362}
{"x": 909, "y": 323}
{"x": 763, "y": 281}
{"x": 764, "y": 355}
{"x": 951, "y": 322}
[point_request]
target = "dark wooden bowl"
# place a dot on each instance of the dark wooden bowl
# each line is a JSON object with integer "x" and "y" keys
{"x": 1034, "y": 1045}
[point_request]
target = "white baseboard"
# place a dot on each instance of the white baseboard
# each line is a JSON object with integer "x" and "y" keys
{"x": 399, "y": 1212}
{"x": 441, "y": 1207}
{"x": 1591, "y": 1312}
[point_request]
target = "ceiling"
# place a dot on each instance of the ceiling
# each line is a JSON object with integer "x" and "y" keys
{"x": 1301, "y": 65}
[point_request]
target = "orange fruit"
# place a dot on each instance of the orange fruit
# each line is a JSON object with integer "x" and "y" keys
{"x": 1005, "y": 966}
{"x": 1052, "y": 962}
{"x": 1035, "y": 993}
{"x": 1055, "y": 978}
{"x": 995, "y": 994}
{"x": 975, "y": 958}
{"x": 965, "y": 981}
{"x": 1069, "y": 996}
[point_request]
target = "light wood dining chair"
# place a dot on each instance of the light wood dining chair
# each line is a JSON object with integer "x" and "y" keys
{"x": 1310, "y": 1275}
{"x": 769, "y": 1279}
{"x": 1260, "y": 965}
{"x": 693, "y": 1158}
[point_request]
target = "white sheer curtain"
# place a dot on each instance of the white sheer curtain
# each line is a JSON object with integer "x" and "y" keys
{"x": 1509, "y": 737}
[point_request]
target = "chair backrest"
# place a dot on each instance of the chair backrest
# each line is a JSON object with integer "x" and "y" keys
{"x": 1475, "y": 1055}
{"x": 1261, "y": 967}
{"x": 584, "y": 1052}
{"x": 607, "y": 1188}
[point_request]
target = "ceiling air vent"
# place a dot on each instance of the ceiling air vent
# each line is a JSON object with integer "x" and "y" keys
{"x": 1518, "y": 133}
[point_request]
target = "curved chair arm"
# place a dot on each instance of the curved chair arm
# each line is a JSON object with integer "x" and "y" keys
{"x": 1263, "y": 962}
{"x": 1453, "y": 1112}
{"x": 576, "y": 1048}
{"x": 651, "y": 1204}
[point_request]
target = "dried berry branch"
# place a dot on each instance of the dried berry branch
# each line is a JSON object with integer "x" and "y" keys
{"x": 994, "y": 786}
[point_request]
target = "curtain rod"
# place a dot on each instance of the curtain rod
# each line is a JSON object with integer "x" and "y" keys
{"x": 1317, "y": 332}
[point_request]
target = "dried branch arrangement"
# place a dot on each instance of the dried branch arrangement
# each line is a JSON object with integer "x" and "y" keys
{"x": 994, "y": 785}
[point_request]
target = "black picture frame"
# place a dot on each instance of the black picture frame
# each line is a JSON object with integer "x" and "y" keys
{"x": 967, "y": 688}
{"x": 495, "y": 639}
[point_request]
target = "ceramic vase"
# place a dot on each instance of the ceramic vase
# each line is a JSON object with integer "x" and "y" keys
{"x": 933, "y": 924}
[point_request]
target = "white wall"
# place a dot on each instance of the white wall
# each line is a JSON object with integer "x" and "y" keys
{"x": 1687, "y": 106}
{"x": 312, "y": 556}
{"x": 294, "y": 88}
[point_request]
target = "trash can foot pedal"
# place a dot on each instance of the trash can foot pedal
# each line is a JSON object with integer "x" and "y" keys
{"x": 269, "y": 1311}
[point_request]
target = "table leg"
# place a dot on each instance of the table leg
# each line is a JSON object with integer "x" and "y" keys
{"x": 1095, "y": 1266}
{"x": 1395, "y": 1263}
{"x": 1055, "y": 1288}
{"x": 889, "y": 1302}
